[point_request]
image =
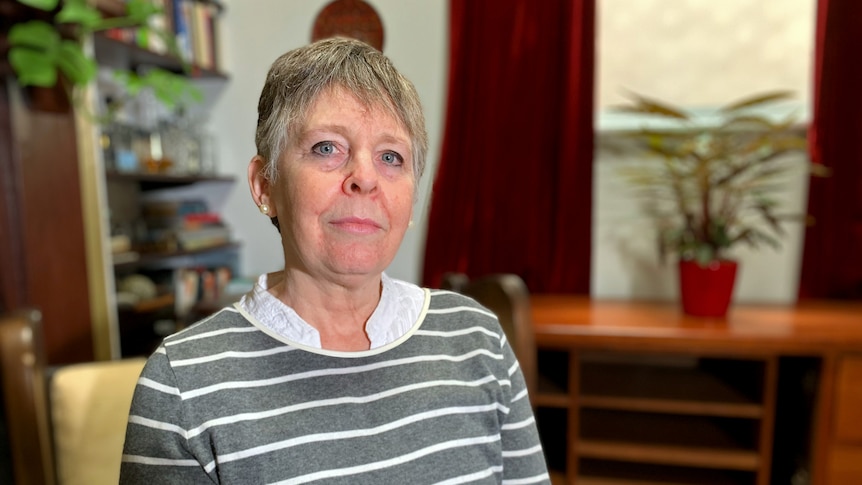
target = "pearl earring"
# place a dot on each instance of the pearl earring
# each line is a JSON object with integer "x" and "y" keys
{"x": 264, "y": 209}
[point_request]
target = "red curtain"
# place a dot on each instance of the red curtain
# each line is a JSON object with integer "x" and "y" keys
{"x": 832, "y": 258}
{"x": 513, "y": 191}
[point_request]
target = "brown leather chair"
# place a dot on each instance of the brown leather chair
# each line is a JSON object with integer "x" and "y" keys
{"x": 507, "y": 296}
{"x": 66, "y": 424}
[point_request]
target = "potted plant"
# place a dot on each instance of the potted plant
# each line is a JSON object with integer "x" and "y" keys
{"x": 46, "y": 48}
{"x": 714, "y": 186}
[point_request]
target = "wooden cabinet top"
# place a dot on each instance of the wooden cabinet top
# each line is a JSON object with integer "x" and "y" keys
{"x": 809, "y": 328}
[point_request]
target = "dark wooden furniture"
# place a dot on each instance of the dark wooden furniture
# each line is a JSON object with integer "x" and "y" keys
{"x": 637, "y": 392}
{"x": 42, "y": 247}
{"x": 22, "y": 361}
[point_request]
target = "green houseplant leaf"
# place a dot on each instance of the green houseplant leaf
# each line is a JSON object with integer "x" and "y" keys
{"x": 79, "y": 13}
{"x": 77, "y": 67}
{"x": 140, "y": 10}
{"x": 40, "y": 56}
{"x": 758, "y": 100}
{"x": 714, "y": 183}
{"x": 34, "y": 34}
{"x": 46, "y": 5}
{"x": 34, "y": 68}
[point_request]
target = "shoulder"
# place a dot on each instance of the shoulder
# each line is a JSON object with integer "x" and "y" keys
{"x": 221, "y": 347}
{"x": 225, "y": 330}
{"x": 448, "y": 309}
{"x": 445, "y": 301}
{"x": 225, "y": 318}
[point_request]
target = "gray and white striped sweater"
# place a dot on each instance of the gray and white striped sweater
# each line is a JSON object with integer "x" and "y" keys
{"x": 225, "y": 402}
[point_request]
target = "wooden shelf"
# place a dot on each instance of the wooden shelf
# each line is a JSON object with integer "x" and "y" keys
{"x": 670, "y": 455}
{"x": 550, "y": 395}
{"x": 116, "y": 53}
{"x": 152, "y": 181}
{"x": 115, "y": 8}
{"x": 154, "y": 304}
{"x": 591, "y": 480}
{"x": 557, "y": 478}
{"x": 669, "y": 439}
{"x": 600, "y": 472}
{"x": 150, "y": 258}
{"x": 698, "y": 408}
{"x": 666, "y": 389}
{"x": 772, "y": 378}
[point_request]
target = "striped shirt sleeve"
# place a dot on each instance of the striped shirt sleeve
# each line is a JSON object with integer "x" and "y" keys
{"x": 156, "y": 449}
{"x": 523, "y": 457}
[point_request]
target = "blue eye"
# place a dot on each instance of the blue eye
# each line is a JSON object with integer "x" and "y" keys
{"x": 324, "y": 148}
{"x": 392, "y": 158}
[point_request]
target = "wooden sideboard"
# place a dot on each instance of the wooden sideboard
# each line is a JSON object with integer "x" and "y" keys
{"x": 639, "y": 393}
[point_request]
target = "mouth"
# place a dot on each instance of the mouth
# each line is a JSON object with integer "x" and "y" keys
{"x": 356, "y": 225}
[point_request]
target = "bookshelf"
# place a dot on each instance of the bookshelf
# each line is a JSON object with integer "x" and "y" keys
{"x": 149, "y": 215}
{"x": 152, "y": 160}
{"x": 192, "y": 24}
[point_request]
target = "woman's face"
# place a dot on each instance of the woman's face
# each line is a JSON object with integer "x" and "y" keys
{"x": 344, "y": 194}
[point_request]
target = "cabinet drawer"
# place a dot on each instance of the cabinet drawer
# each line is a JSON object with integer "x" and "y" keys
{"x": 845, "y": 465}
{"x": 848, "y": 403}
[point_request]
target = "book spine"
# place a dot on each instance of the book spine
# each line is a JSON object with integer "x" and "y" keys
{"x": 212, "y": 29}
{"x": 181, "y": 29}
{"x": 199, "y": 34}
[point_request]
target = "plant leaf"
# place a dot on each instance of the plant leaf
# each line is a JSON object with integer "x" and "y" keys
{"x": 79, "y": 13}
{"x": 757, "y": 100}
{"x": 650, "y": 106}
{"x": 77, "y": 67}
{"x": 131, "y": 81}
{"x": 35, "y": 34}
{"x": 33, "y": 67}
{"x": 171, "y": 88}
{"x": 46, "y": 5}
{"x": 747, "y": 120}
{"x": 704, "y": 254}
{"x": 140, "y": 10}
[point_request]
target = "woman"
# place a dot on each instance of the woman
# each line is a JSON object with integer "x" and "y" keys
{"x": 329, "y": 370}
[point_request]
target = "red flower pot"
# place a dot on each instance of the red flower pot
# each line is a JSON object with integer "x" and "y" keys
{"x": 706, "y": 290}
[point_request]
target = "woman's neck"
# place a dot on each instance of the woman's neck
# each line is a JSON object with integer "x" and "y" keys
{"x": 337, "y": 311}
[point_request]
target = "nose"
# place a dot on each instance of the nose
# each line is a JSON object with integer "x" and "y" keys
{"x": 362, "y": 176}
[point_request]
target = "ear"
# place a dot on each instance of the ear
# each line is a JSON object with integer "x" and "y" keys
{"x": 260, "y": 184}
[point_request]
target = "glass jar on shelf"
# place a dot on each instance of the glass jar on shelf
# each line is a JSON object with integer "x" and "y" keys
{"x": 181, "y": 142}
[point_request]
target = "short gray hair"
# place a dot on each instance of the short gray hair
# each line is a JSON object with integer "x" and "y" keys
{"x": 298, "y": 77}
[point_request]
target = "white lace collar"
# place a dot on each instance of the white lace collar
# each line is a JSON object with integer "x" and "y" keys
{"x": 398, "y": 310}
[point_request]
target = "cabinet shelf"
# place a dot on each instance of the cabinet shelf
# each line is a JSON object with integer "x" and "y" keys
{"x": 153, "y": 304}
{"x": 151, "y": 181}
{"x": 699, "y": 408}
{"x": 114, "y": 52}
{"x": 115, "y": 8}
{"x": 549, "y": 394}
{"x": 671, "y": 389}
{"x": 720, "y": 443}
{"x": 670, "y": 455}
{"x": 601, "y": 472}
{"x": 144, "y": 259}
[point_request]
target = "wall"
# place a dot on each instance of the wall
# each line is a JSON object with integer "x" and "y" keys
{"x": 253, "y": 34}
{"x": 693, "y": 52}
